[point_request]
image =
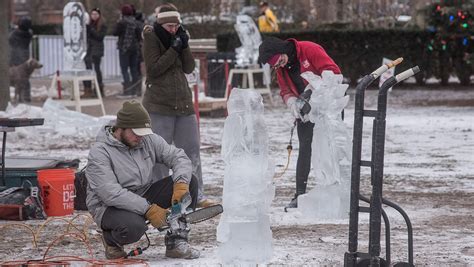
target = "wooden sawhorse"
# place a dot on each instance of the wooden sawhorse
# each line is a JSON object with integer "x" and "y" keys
{"x": 248, "y": 74}
{"x": 76, "y": 77}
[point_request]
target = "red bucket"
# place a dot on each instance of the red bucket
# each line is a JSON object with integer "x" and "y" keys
{"x": 57, "y": 189}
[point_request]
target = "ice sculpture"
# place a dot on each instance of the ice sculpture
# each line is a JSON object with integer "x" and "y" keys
{"x": 250, "y": 39}
{"x": 331, "y": 149}
{"x": 75, "y": 35}
{"x": 244, "y": 233}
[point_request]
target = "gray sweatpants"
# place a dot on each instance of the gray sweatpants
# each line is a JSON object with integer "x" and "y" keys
{"x": 182, "y": 132}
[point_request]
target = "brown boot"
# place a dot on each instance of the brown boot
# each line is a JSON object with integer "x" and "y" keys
{"x": 112, "y": 252}
{"x": 88, "y": 93}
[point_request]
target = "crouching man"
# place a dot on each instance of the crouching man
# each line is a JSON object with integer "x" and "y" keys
{"x": 122, "y": 192}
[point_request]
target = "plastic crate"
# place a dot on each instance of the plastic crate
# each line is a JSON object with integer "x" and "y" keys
{"x": 14, "y": 178}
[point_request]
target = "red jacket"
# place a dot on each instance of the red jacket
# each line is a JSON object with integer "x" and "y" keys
{"x": 312, "y": 57}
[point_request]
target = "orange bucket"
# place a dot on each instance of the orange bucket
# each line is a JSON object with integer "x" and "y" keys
{"x": 57, "y": 190}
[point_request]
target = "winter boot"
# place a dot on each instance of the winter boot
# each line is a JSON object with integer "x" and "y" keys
{"x": 127, "y": 91}
{"x": 177, "y": 246}
{"x": 112, "y": 252}
{"x": 293, "y": 203}
{"x": 138, "y": 88}
{"x": 88, "y": 93}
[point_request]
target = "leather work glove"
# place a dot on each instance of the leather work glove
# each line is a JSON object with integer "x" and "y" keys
{"x": 156, "y": 215}
{"x": 177, "y": 44}
{"x": 179, "y": 189}
{"x": 295, "y": 105}
{"x": 183, "y": 35}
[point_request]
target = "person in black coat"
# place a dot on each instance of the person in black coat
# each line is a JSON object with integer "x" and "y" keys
{"x": 19, "y": 41}
{"x": 129, "y": 35}
{"x": 96, "y": 31}
{"x": 140, "y": 20}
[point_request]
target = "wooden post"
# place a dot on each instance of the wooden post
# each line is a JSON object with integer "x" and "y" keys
{"x": 196, "y": 101}
{"x": 4, "y": 56}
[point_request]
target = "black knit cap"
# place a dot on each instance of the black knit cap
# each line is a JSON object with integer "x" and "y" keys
{"x": 133, "y": 115}
{"x": 272, "y": 46}
{"x": 24, "y": 23}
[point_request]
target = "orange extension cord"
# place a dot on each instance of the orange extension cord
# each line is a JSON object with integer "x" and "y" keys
{"x": 65, "y": 260}
{"x": 289, "y": 148}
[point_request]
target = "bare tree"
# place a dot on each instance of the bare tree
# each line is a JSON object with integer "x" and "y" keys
{"x": 340, "y": 10}
{"x": 4, "y": 52}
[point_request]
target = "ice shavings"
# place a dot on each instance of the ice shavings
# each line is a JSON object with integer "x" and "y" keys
{"x": 62, "y": 128}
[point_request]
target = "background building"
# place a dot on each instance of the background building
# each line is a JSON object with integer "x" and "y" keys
{"x": 291, "y": 13}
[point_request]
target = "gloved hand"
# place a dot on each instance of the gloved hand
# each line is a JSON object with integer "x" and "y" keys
{"x": 184, "y": 36}
{"x": 156, "y": 215}
{"x": 147, "y": 29}
{"x": 177, "y": 44}
{"x": 295, "y": 105}
{"x": 179, "y": 189}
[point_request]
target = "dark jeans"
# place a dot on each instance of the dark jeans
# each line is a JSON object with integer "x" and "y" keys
{"x": 303, "y": 165}
{"x": 93, "y": 60}
{"x": 121, "y": 227}
{"x": 129, "y": 60}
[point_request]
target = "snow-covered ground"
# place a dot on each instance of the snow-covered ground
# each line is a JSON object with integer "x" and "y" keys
{"x": 429, "y": 159}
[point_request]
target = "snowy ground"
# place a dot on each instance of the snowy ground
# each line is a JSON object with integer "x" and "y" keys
{"x": 428, "y": 171}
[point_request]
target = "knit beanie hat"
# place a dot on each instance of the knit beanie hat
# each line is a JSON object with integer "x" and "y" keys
{"x": 127, "y": 10}
{"x": 271, "y": 48}
{"x": 133, "y": 115}
{"x": 24, "y": 24}
{"x": 168, "y": 14}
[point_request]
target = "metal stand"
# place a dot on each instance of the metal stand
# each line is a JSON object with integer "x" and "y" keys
{"x": 8, "y": 125}
{"x": 4, "y": 144}
{"x": 372, "y": 258}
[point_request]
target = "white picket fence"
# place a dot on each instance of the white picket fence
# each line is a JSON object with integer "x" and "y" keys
{"x": 50, "y": 53}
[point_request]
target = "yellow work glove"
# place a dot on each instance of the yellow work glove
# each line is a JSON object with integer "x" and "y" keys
{"x": 156, "y": 215}
{"x": 179, "y": 189}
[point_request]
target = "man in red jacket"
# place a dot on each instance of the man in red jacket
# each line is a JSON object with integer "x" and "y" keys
{"x": 290, "y": 58}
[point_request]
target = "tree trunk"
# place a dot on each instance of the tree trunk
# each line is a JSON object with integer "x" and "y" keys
{"x": 4, "y": 56}
{"x": 340, "y": 10}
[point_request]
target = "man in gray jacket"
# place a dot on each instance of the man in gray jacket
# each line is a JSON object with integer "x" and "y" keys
{"x": 121, "y": 194}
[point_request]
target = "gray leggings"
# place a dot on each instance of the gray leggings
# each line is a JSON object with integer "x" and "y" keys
{"x": 183, "y": 132}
